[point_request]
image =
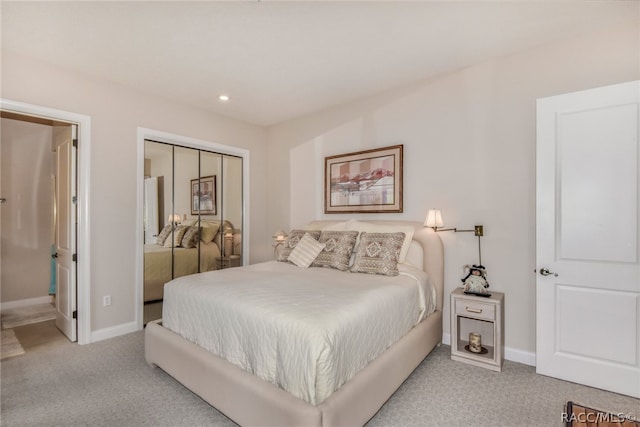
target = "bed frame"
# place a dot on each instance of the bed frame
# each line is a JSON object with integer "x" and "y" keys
{"x": 251, "y": 401}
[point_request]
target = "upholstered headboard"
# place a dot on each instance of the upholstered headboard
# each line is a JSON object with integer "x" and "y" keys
{"x": 429, "y": 242}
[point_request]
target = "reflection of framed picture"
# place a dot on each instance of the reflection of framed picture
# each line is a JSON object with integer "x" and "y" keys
{"x": 364, "y": 182}
{"x": 203, "y": 196}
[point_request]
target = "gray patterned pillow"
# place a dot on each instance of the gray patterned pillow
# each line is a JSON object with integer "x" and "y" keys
{"x": 378, "y": 253}
{"x": 175, "y": 240}
{"x": 337, "y": 250}
{"x": 164, "y": 234}
{"x": 291, "y": 241}
{"x": 191, "y": 237}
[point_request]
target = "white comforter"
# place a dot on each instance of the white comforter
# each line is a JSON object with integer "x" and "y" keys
{"x": 307, "y": 331}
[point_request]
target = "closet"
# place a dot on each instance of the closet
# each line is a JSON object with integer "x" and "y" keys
{"x": 193, "y": 213}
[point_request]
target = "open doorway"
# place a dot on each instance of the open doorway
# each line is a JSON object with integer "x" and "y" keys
{"x": 53, "y": 201}
{"x": 37, "y": 177}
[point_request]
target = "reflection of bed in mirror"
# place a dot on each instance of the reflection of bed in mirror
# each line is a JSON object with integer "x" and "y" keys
{"x": 158, "y": 265}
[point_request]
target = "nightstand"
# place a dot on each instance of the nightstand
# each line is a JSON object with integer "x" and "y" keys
{"x": 228, "y": 261}
{"x": 483, "y": 315}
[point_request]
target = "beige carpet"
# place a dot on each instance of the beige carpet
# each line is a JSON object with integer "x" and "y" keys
{"x": 9, "y": 345}
{"x": 108, "y": 383}
{"x": 21, "y": 316}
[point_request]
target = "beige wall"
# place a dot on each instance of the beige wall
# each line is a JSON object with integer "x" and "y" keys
{"x": 116, "y": 112}
{"x": 26, "y": 168}
{"x": 470, "y": 147}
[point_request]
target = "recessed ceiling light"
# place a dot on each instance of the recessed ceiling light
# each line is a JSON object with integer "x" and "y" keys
{"x": 224, "y": 98}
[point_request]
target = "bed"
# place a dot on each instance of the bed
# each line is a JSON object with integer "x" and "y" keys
{"x": 162, "y": 262}
{"x": 158, "y": 265}
{"x": 349, "y": 400}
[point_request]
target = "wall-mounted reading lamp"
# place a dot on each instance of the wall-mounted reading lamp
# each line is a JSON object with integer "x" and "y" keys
{"x": 434, "y": 221}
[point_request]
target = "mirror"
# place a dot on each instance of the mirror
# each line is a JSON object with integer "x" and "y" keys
{"x": 193, "y": 216}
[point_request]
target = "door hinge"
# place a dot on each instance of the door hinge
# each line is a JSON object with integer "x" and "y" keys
{"x": 74, "y": 199}
{"x": 74, "y": 314}
{"x": 75, "y": 143}
{"x": 74, "y": 258}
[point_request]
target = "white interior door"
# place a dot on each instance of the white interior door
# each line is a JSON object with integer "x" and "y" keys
{"x": 66, "y": 302}
{"x": 588, "y": 281}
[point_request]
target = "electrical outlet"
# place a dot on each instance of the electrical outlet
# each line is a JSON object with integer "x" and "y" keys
{"x": 106, "y": 300}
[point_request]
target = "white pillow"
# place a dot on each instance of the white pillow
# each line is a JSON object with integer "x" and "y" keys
{"x": 306, "y": 251}
{"x": 408, "y": 231}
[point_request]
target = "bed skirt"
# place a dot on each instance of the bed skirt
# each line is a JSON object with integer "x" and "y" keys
{"x": 251, "y": 401}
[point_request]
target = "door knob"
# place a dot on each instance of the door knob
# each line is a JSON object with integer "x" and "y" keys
{"x": 547, "y": 272}
{"x": 2, "y": 200}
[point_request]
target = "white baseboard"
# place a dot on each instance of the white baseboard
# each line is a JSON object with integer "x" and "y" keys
{"x": 25, "y": 302}
{"x": 113, "y": 331}
{"x": 520, "y": 356}
{"x": 512, "y": 354}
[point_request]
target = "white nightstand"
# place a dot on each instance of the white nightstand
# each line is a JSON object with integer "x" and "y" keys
{"x": 483, "y": 315}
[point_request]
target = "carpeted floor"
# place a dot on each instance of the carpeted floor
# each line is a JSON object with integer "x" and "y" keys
{"x": 108, "y": 383}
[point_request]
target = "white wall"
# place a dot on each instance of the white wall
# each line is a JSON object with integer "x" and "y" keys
{"x": 469, "y": 150}
{"x": 26, "y": 167}
{"x": 116, "y": 113}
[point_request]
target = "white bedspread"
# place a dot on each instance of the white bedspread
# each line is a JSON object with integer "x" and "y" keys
{"x": 307, "y": 331}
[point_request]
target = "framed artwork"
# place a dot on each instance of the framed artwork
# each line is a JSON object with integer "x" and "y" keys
{"x": 203, "y": 196}
{"x": 364, "y": 182}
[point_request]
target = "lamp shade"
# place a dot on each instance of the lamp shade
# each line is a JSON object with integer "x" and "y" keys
{"x": 434, "y": 219}
{"x": 280, "y": 235}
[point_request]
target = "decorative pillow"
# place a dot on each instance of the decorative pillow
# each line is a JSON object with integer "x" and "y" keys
{"x": 160, "y": 239}
{"x": 378, "y": 253}
{"x": 209, "y": 231}
{"x": 305, "y": 251}
{"x": 292, "y": 240}
{"x": 337, "y": 250}
{"x": 191, "y": 237}
{"x": 369, "y": 227}
{"x": 178, "y": 234}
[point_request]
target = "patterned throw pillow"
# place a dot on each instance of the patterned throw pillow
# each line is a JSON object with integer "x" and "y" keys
{"x": 292, "y": 240}
{"x": 178, "y": 234}
{"x": 305, "y": 251}
{"x": 164, "y": 234}
{"x": 191, "y": 237}
{"x": 337, "y": 250}
{"x": 378, "y": 253}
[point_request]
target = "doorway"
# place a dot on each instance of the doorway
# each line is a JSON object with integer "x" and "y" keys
{"x": 76, "y": 307}
{"x": 38, "y": 221}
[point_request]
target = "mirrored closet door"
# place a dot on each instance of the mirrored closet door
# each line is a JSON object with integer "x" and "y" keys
{"x": 193, "y": 207}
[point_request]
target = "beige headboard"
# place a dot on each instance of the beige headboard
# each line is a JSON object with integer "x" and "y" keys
{"x": 433, "y": 252}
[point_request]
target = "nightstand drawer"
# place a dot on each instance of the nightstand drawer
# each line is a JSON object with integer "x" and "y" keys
{"x": 475, "y": 309}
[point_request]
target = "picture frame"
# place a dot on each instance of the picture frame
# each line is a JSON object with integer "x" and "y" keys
{"x": 367, "y": 181}
{"x": 203, "y": 196}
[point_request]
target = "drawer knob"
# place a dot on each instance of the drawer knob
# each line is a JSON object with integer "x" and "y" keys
{"x": 473, "y": 310}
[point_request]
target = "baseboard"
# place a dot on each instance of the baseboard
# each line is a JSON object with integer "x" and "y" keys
{"x": 25, "y": 302}
{"x": 520, "y": 356}
{"x": 512, "y": 354}
{"x": 113, "y": 331}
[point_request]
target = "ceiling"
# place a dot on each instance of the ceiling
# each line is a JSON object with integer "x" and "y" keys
{"x": 281, "y": 60}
